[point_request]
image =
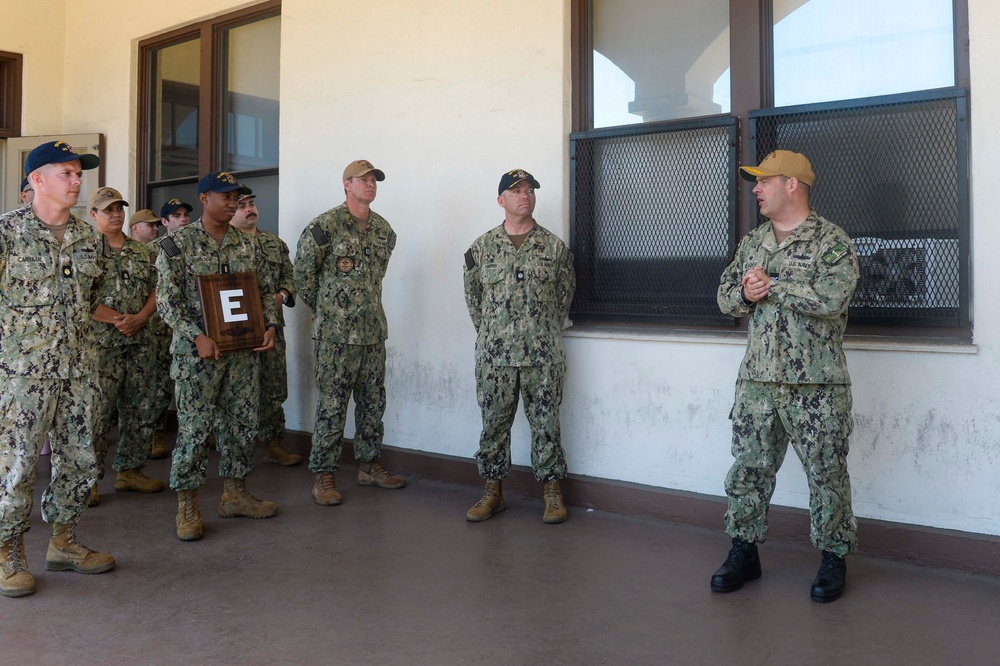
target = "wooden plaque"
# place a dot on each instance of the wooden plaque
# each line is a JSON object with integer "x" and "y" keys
{"x": 233, "y": 315}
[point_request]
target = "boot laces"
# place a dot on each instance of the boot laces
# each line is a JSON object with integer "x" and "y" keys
{"x": 190, "y": 510}
{"x": 831, "y": 563}
{"x": 14, "y": 556}
{"x": 377, "y": 471}
{"x": 327, "y": 482}
{"x": 551, "y": 497}
{"x": 71, "y": 540}
{"x": 739, "y": 552}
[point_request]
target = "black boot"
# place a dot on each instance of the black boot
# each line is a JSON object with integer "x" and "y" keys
{"x": 743, "y": 564}
{"x": 830, "y": 580}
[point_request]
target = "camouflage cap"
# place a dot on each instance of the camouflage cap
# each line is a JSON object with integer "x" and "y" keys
{"x": 103, "y": 197}
{"x": 360, "y": 168}
{"x": 781, "y": 163}
{"x": 143, "y": 215}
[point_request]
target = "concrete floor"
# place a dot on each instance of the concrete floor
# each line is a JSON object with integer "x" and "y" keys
{"x": 399, "y": 577}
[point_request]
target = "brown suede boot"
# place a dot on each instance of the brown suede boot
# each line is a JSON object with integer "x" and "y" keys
{"x": 555, "y": 510}
{"x": 66, "y": 554}
{"x": 133, "y": 480}
{"x": 490, "y": 503}
{"x": 237, "y": 502}
{"x": 15, "y": 579}
{"x": 278, "y": 455}
{"x": 325, "y": 490}
{"x": 94, "y": 498}
{"x": 189, "y": 527}
{"x": 372, "y": 474}
{"x": 159, "y": 449}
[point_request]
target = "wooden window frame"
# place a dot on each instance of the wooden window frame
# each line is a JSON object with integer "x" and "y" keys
{"x": 211, "y": 146}
{"x": 11, "y": 81}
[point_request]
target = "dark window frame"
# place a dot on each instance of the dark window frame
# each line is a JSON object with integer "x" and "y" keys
{"x": 751, "y": 59}
{"x": 211, "y": 139}
{"x": 11, "y": 81}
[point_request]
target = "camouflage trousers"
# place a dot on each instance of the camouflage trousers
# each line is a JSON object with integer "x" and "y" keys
{"x": 122, "y": 374}
{"x": 215, "y": 396}
{"x": 158, "y": 385}
{"x": 30, "y": 409}
{"x": 497, "y": 389}
{"x": 343, "y": 370}
{"x": 273, "y": 391}
{"x": 816, "y": 420}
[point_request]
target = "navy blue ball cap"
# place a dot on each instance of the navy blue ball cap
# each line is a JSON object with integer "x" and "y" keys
{"x": 513, "y": 177}
{"x": 56, "y": 152}
{"x": 221, "y": 181}
{"x": 172, "y": 205}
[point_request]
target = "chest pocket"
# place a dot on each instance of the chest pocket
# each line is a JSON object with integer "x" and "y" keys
{"x": 26, "y": 283}
{"x": 542, "y": 283}
{"x": 797, "y": 267}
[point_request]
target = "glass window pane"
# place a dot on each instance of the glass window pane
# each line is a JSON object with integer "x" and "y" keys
{"x": 250, "y": 100}
{"x": 658, "y": 60}
{"x": 175, "y": 81}
{"x": 828, "y": 50}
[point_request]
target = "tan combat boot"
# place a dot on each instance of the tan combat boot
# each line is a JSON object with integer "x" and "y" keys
{"x": 325, "y": 490}
{"x": 189, "y": 527}
{"x": 276, "y": 454}
{"x": 555, "y": 510}
{"x": 159, "y": 449}
{"x": 372, "y": 474}
{"x": 133, "y": 480}
{"x": 237, "y": 502}
{"x": 94, "y": 498}
{"x": 490, "y": 503}
{"x": 65, "y": 554}
{"x": 15, "y": 579}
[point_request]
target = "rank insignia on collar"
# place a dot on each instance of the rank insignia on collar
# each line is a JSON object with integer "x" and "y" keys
{"x": 345, "y": 264}
{"x": 67, "y": 271}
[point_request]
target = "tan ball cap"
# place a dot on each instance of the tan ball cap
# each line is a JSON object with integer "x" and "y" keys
{"x": 143, "y": 215}
{"x": 360, "y": 168}
{"x": 781, "y": 163}
{"x": 103, "y": 197}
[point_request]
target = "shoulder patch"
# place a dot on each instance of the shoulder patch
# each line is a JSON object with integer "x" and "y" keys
{"x": 319, "y": 235}
{"x": 833, "y": 256}
{"x": 169, "y": 246}
{"x": 470, "y": 263}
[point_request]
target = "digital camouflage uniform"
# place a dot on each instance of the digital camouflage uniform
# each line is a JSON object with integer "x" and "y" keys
{"x": 793, "y": 384}
{"x": 274, "y": 365}
{"x": 339, "y": 272}
{"x": 124, "y": 363}
{"x": 159, "y": 387}
{"x": 48, "y": 293}
{"x": 518, "y": 300}
{"x": 220, "y": 396}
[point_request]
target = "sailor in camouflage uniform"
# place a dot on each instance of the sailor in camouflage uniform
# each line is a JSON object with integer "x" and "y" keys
{"x": 214, "y": 392}
{"x": 50, "y": 277}
{"x": 519, "y": 283}
{"x": 121, "y": 341}
{"x": 793, "y": 278}
{"x": 341, "y": 259}
{"x": 273, "y": 367}
{"x": 174, "y": 215}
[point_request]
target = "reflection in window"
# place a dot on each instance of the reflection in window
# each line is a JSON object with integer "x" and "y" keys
{"x": 251, "y": 101}
{"x": 657, "y": 60}
{"x": 828, "y": 50}
{"x": 174, "y": 76}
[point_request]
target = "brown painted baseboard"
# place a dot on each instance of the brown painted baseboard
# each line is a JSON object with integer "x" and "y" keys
{"x": 914, "y": 544}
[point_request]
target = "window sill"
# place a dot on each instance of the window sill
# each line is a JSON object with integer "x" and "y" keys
{"x": 739, "y": 338}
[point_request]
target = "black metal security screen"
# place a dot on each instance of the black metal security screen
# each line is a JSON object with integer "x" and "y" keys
{"x": 892, "y": 171}
{"x": 654, "y": 220}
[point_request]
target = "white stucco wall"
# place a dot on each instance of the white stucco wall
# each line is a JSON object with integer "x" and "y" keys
{"x": 445, "y": 95}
